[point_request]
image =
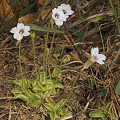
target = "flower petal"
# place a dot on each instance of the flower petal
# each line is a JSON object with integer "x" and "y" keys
{"x": 100, "y": 59}
{"x": 18, "y": 36}
{"x": 100, "y": 62}
{"x": 27, "y": 28}
{"x": 66, "y": 8}
{"x": 94, "y": 51}
{"x": 26, "y": 33}
{"x": 70, "y": 12}
{"x": 59, "y": 23}
{"x": 20, "y": 26}
{"x": 13, "y": 30}
{"x": 60, "y": 15}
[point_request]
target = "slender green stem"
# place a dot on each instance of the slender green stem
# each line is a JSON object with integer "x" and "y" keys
{"x": 34, "y": 56}
{"x": 62, "y": 61}
{"x": 45, "y": 55}
{"x": 60, "y": 66}
{"x": 50, "y": 53}
{"x": 72, "y": 88}
{"x": 20, "y": 62}
{"x": 94, "y": 80}
{"x": 45, "y": 48}
{"x": 102, "y": 39}
{"x": 49, "y": 66}
{"x": 115, "y": 16}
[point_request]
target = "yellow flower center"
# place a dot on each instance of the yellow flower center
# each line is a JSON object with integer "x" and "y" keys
{"x": 21, "y": 31}
{"x": 95, "y": 57}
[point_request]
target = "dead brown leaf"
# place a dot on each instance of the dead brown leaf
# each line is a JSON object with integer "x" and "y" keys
{"x": 41, "y": 2}
{"x": 45, "y": 13}
{"x": 74, "y": 57}
{"x": 7, "y": 9}
{"x": 32, "y": 17}
{"x": 29, "y": 18}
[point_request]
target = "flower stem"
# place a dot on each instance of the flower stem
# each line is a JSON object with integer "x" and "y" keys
{"x": 45, "y": 50}
{"x": 50, "y": 53}
{"x": 60, "y": 66}
{"x": 34, "y": 56}
{"x": 72, "y": 88}
{"x": 20, "y": 62}
{"x": 45, "y": 55}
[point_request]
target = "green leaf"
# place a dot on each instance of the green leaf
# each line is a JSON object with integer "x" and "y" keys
{"x": 64, "y": 112}
{"x": 50, "y": 101}
{"x": 36, "y": 103}
{"x": 43, "y": 78}
{"x": 56, "y": 73}
{"x": 117, "y": 90}
{"x": 41, "y": 28}
{"x": 13, "y": 19}
{"x": 59, "y": 104}
{"x": 22, "y": 97}
{"x": 29, "y": 94}
{"x": 58, "y": 85}
{"x": 107, "y": 108}
{"x": 39, "y": 88}
{"x": 17, "y": 90}
{"x": 66, "y": 58}
{"x": 53, "y": 115}
{"x": 97, "y": 114}
{"x": 49, "y": 87}
{"x": 25, "y": 85}
{"x": 37, "y": 96}
{"x": 29, "y": 83}
{"x": 34, "y": 83}
{"x": 49, "y": 107}
{"x": 18, "y": 82}
{"x": 56, "y": 55}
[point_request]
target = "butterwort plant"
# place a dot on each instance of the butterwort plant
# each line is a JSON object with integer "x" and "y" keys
{"x": 34, "y": 92}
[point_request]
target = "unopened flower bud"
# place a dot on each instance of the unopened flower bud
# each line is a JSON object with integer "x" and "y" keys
{"x": 32, "y": 35}
{"x": 47, "y": 50}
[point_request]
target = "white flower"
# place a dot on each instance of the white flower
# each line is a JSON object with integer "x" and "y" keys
{"x": 96, "y": 57}
{"x": 58, "y": 16}
{"x": 20, "y": 31}
{"x": 66, "y": 9}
